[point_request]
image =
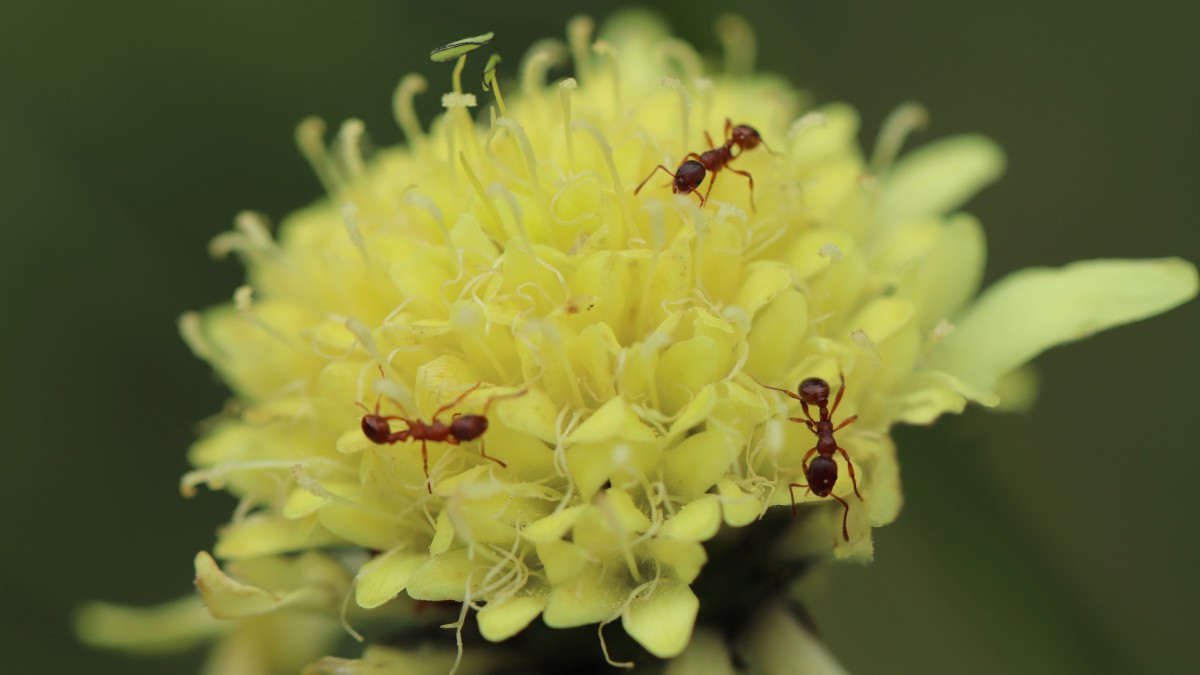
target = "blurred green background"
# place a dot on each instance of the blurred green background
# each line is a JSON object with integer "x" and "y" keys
{"x": 1056, "y": 541}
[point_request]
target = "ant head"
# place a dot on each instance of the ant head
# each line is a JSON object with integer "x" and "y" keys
{"x": 813, "y": 390}
{"x": 376, "y": 428}
{"x": 746, "y": 137}
{"x": 468, "y": 427}
{"x": 822, "y": 474}
{"x": 688, "y": 177}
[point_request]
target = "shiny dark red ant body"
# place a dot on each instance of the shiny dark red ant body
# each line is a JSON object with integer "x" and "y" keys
{"x": 822, "y": 473}
{"x": 695, "y": 167}
{"x": 462, "y": 428}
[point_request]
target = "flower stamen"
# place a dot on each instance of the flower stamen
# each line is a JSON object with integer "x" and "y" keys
{"x": 405, "y": 112}
{"x": 896, "y": 127}
{"x": 739, "y": 43}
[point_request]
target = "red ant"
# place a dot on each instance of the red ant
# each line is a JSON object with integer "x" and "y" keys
{"x": 691, "y": 173}
{"x": 822, "y": 473}
{"x": 461, "y": 428}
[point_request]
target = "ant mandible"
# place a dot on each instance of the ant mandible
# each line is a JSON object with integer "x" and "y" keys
{"x": 822, "y": 473}
{"x": 377, "y": 428}
{"x": 691, "y": 172}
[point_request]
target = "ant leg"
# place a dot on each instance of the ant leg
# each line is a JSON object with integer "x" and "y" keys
{"x": 841, "y": 390}
{"x": 811, "y": 426}
{"x": 792, "y": 491}
{"x": 711, "y": 181}
{"x": 804, "y": 404}
{"x": 500, "y": 397}
{"x": 767, "y": 386}
{"x": 845, "y": 422}
{"x": 728, "y": 128}
{"x": 804, "y": 462}
{"x": 845, "y": 532}
{"x": 425, "y": 462}
{"x": 850, "y": 465}
{"x": 455, "y": 401}
{"x": 692, "y": 155}
{"x": 708, "y": 139}
{"x": 483, "y": 454}
{"x": 751, "y": 179}
{"x": 643, "y": 183}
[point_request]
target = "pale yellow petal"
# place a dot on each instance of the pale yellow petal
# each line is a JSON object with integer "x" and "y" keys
{"x": 227, "y": 598}
{"x": 427, "y": 660}
{"x": 777, "y": 644}
{"x": 501, "y": 620}
{"x": 590, "y": 597}
{"x": 1030, "y": 311}
{"x": 444, "y": 577}
{"x": 265, "y": 534}
{"x": 699, "y": 520}
{"x": 663, "y": 621}
{"x": 686, "y": 558}
{"x": 170, "y": 627}
{"x": 738, "y": 507}
{"x": 695, "y": 464}
{"x": 554, "y": 526}
{"x": 941, "y": 176}
{"x": 385, "y": 576}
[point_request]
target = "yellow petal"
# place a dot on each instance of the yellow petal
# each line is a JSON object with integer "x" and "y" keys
{"x": 443, "y": 534}
{"x": 613, "y": 420}
{"x": 264, "y": 534}
{"x": 301, "y": 502}
{"x": 534, "y": 414}
{"x": 940, "y": 177}
{"x": 662, "y": 622}
{"x": 590, "y": 597}
{"x": 501, "y": 620}
{"x": 738, "y": 508}
{"x": 698, "y": 521}
{"x": 562, "y": 560}
{"x": 694, "y": 465}
{"x": 1032, "y": 310}
{"x": 686, "y": 367}
{"x": 445, "y": 576}
{"x": 624, "y": 514}
{"x": 776, "y": 644}
{"x": 882, "y": 317}
{"x": 170, "y": 627}
{"x": 227, "y": 598}
{"x": 427, "y": 660}
{"x": 554, "y": 526}
{"x": 686, "y": 558}
{"x": 385, "y": 576}
{"x": 352, "y": 441}
{"x": 764, "y": 281}
{"x": 951, "y": 271}
{"x": 777, "y": 333}
{"x": 359, "y": 525}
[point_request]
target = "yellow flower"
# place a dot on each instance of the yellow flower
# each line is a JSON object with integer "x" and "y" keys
{"x": 616, "y": 341}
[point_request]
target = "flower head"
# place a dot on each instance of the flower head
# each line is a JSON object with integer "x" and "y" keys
{"x": 488, "y": 370}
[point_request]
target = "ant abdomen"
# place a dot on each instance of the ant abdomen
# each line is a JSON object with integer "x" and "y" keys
{"x": 822, "y": 475}
{"x": 468, "y": 427}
